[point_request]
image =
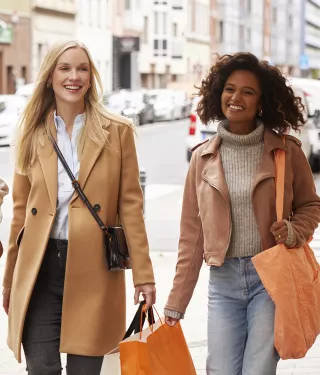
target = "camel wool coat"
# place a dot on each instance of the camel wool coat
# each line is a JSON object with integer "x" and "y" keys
{"x": 93, "y": 312}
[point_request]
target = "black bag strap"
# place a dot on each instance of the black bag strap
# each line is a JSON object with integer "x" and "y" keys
{"x": 136, "y": 321}
{"x": 77, "y": 187}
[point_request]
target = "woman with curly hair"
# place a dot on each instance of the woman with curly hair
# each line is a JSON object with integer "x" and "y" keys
{"x": 229, "y": 211}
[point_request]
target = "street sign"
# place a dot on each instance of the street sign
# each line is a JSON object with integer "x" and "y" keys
{"x": 304, "y": 62}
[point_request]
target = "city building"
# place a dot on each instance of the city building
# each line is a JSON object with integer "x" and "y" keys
{"x": 15, "y": 44}
{"x": 94, "y": 29}
{"x": 200, "y": 41}
{"x": 285, "y": 34}
{"x": 310, "y": 38}
{"x": 149, "y": 48}
{"x": 270, "y": 29}
{"x": 52, "y": 20}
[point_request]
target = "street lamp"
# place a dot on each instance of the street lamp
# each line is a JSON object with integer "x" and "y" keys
{"x": 15, "y": 21}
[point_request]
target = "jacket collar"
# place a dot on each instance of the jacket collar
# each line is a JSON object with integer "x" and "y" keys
{"x": 272, "y": 141}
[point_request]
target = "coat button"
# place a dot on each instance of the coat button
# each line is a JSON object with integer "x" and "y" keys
{"x": 34, "y": 211}
{"x": 97, "y": 207}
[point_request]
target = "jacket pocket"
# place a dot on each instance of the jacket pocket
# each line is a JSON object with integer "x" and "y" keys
{"x": 19, "y": 236}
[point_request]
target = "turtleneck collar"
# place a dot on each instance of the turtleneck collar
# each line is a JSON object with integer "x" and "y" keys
{"x": 234, "y": 140}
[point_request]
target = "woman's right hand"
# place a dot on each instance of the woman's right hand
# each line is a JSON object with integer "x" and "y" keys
{"x": 171, "y": 321}
{"x": 6, "y": 299}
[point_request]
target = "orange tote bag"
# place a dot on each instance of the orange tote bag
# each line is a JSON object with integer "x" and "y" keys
{"x": 292, "y": 280}
{"x": 157, "y": 350}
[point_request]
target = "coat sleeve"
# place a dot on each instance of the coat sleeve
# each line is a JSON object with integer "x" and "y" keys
{"x": 131, "y": 211}
{"x": 306, "y": 202}
{"x": 4, "y": 190}
{"x": 190, "y": 254}
{"x": 20, "y": 194}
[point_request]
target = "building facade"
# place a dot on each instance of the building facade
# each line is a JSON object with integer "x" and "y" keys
{"x": 94, "y": 29}
{"x": 52, "y": 20}
{"x": 286, "y": 27}
{"x": 199, "y": 41}
{"x": 310, "y": 41}
{"x": 15, "y": 44}
{"x": 270, "y": 29}
{"x": 149, "y": 47}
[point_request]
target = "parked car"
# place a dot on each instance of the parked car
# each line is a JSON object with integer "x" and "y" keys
{"x": 199, "y": 132}
{"x": 163, "y": 104}
{"x": 139, "y": 107}
{"x": 311, "y": 89}
{"x": 11, "y": 107}
{"x": 25, "y": 90}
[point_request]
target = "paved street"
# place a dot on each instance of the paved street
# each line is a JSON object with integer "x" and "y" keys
{"x": 162, "y": 153}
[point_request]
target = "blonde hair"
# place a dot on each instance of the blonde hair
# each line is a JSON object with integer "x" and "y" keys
{"x": 35, "y": 119}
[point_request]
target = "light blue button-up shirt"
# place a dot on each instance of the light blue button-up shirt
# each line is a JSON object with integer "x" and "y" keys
{"x": 69, "y": 150}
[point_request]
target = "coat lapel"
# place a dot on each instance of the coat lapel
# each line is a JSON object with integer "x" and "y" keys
{"x": 91, "y": 152}
{"x": 49, "y": 165}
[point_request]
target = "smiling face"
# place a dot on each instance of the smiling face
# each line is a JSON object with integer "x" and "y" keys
{"x": 240, "y": 99}
{"x": 71, "y": 77}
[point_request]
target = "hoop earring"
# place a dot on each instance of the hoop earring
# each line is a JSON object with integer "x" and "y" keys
{"x": 260, "y": 113}
{"x": 48, "y": 85}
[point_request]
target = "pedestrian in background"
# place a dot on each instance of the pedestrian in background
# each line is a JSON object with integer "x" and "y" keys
{"x": 229, "y": 210}
{"x": 58, "y": 292}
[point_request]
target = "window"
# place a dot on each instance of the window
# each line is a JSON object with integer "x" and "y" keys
{"x": 145, "y": 29}
{"x": 127, "y": 5}
{"x": 156, "y": 44}
{"x": 290, "y": 21}
{"x": 242, "y": 32}
{"x": 221, "y": 31}
{"x": 156, "y": 22}
{"x": 249, "y": 6}
{"x": 90, "y": 12}
{"x": 164, "y": 46}
{"x": 175, "y": 29}
{"x": 249, "y": 35}
{"x": 39, "y": 54}
{"x": 164, "y": 23}
{"x": 99, "y": 13}
{"x": 274, "y": 15}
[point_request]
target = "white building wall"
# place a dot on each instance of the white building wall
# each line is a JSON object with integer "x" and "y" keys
{"x": 198, "y": 43}
{"x": 94, "y": 29}
{"x": 52, "y": 20}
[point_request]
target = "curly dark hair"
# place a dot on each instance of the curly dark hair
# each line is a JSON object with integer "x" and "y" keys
{"x": 281, "y": 108}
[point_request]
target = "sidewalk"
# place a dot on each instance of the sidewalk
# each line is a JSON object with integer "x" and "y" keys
{"x": 194, "y": 324}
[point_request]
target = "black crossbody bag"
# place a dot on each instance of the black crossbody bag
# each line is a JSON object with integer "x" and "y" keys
{"x": 117, "y": 252}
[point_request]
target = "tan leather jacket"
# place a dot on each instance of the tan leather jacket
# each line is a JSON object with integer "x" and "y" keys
{"x": 206, "y": 225}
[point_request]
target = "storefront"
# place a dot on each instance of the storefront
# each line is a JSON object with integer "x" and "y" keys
{"x": 15, "y": 52}
{"x": 125, "y": 63}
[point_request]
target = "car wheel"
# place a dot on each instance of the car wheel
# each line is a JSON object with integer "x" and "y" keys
{"x": 189, "y": 154}
{"x": 314, "y": 163}
{"x": 140, "y": 119}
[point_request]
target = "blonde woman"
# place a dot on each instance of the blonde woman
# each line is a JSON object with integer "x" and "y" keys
{"x": 58, "y": 292}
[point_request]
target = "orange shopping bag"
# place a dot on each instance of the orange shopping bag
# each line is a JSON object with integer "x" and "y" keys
{"x": 292, "y": 280}
{"x": 158, "y": 350}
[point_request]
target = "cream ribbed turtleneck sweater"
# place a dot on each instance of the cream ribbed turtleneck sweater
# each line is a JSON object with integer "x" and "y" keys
{"x": 241, "y": 156}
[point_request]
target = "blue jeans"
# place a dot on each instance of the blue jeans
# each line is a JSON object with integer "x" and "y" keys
{"x": 240, "y": 322}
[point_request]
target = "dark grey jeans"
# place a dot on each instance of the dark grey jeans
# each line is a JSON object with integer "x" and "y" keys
{"x": 41, "y": 335}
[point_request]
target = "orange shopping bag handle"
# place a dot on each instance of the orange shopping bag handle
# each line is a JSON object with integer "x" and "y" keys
{"x": 144, "y": 311}
{"x": 280, "y": 162}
